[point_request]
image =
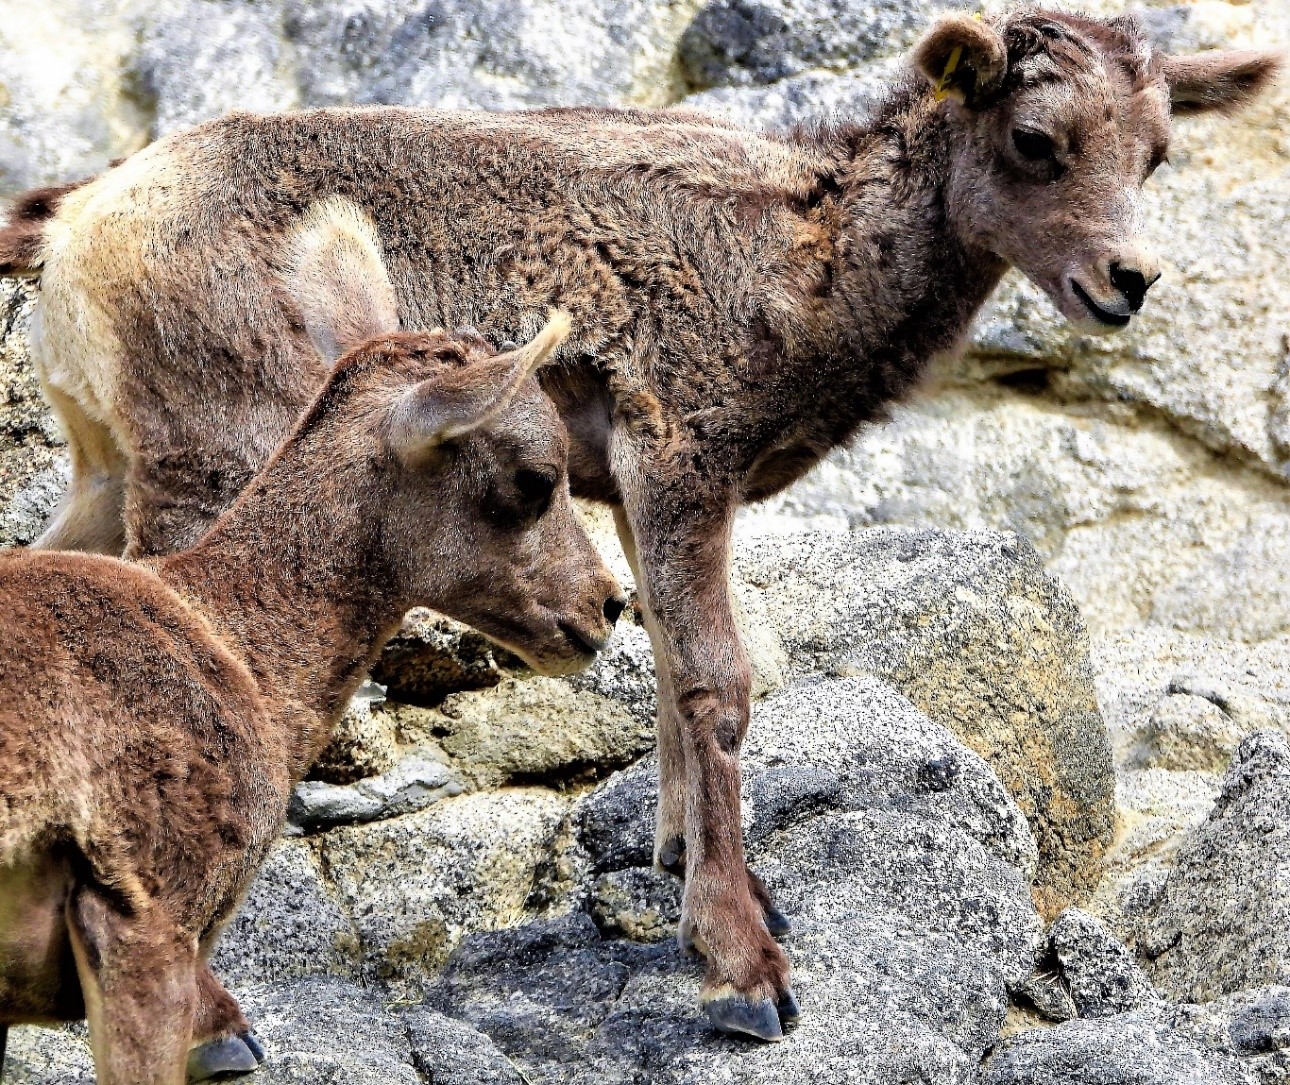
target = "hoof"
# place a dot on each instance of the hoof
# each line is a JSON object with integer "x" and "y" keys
{"x": 777, "y": 922}
{"x": 221, "y": 1058}
{"x": 790, "y": 1013}
{"x": 253, "y": 1045}
{"x": 671, "y": 856}
{"x": 732, "y": 1013}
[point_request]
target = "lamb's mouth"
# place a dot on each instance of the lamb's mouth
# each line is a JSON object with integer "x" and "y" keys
{"x": 1103, "y": 316}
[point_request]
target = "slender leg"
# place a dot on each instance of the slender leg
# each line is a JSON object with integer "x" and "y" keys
{"x": 137, "y": 974}
{"x": 705, "y": 681}
{"x": 669, "y": 835}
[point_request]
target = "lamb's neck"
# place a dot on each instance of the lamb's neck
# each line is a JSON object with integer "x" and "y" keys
{"x": 294, "y": 587}
{"x": 908, "y": 283}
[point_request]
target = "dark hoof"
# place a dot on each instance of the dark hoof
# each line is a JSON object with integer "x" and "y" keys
{"x": 671, "y": 856}
{"x": 221, "y": 1058}
{"x": 777, "y": 922}
{"x": 790, "y": 1013}
{"x": 733, "y": 1013}
{"x": 253, "y": 1045}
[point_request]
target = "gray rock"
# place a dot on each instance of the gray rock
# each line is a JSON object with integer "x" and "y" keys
{"x": 432, "y": 656}
{"x": 623, "y": 672}
{"x": 290, "y": 925}
{"x": 326, "y": 1032}
{"x": 1222, "y": 921}
{"x": 48, "y": 1056}
{"x": 1100, "y": 972}
{"x": 741, "y": 42}
{"x": 969, "y": 628}
{"x": 1128, "y": 1049}
{"x": 412, "y": 784}
{"x": 1253, "y": 1026}
{"x": 640, "y": 903}
{"x": 416, "y": 885}
{"x": 806, "y": 100}
{"x": 364, "y": 742}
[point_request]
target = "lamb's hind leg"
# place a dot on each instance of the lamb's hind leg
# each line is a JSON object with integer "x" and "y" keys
{"x": 669, "y": 826}
{"x": 90, "y": 515}
{"x": 137, "y": 974}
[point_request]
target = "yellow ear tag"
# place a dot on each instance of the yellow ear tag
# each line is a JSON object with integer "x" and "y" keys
{"x": 951, "y": 65}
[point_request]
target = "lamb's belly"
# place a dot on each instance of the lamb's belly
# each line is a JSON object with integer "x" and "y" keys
{"x": 37, "y": 971}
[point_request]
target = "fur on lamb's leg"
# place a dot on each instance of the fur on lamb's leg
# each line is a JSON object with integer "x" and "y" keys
{"x": 222, "y": 1039}
{"x": 137, "y": 975}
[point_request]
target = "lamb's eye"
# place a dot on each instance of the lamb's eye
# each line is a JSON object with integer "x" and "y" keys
{"x": 1032, "y": 146}
{"x": 536, "y": 489}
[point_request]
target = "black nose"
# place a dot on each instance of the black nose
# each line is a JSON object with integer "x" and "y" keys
{"x": 614, "y": 607}
{"x": 1130, "y": 282}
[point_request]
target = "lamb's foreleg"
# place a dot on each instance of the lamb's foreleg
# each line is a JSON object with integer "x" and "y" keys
{"x": 705, "y": 683}
{"x": 138, "y": 976}
{"x": 222, "y": 1039}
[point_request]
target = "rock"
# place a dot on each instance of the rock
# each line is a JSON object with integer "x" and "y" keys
{"x": 364, "y": 741}
{"x": 799, "y": 100}
{"x": 66, "y": 108}
{"x": 1139, "y": 668}
{"x": 416, "y": 885}
{"x": 969, "y": 628}
{"x": 1189, "y": 732}
{"x": 31, "y": 462}
{"x": 530, "y": 729}
{"x": 741, "y": 42}
{"x": 623, "y": 672}
{"x": 413, "y": 784}
{"x": 326, "y": 1032}
{"x": 640, "y": 903}
{"x": 1222, "y": 922}
{"x": 48, "y": 1056}
{"x": 890, "y": 845}
{"x": 432, "y": 656}
{"x": 1128, "y": 1048}
{"x": 1157, "y": 809}
{"x": 1253, "y": 1026}
{"x": 290, "y": 925}
{"x": 1101, "y": 973}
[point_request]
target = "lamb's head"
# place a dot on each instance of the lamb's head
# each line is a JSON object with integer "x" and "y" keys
{"x": 457, "y": 457}
{"x": 1056, "y": 122}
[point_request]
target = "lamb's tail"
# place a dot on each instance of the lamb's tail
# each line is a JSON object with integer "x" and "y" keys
{"x": 22, "y": 235}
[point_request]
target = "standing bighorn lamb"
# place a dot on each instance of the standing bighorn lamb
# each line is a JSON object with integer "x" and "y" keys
{"x": 743, "y": 303}
{"x": 154, "y": 717}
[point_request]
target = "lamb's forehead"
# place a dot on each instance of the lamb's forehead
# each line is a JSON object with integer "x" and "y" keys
{"x": 1073, "y": 64}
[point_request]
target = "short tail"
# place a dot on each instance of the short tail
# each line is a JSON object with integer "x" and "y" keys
{"x": 22, "y": 236}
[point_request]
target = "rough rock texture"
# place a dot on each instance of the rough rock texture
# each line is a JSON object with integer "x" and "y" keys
{"x": 1222, "y": 920}
{"x": 416, "y": 885}
{"x": 970, "y": 628}
{"x": 1101, "y": 974}
{"x": 32, "y": 470}
{"x": 898, "y": 855}
{"x": 1126, "y": 1050}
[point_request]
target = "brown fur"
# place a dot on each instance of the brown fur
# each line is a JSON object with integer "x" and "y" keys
{"x": 154, "y": 717}
{"x": 742, "y": 302}
{"x": 22, "y": 236}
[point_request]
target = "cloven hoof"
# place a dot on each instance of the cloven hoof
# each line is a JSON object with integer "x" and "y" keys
{"x": 733, "y": 1013}
{"x": 223, "y": 1058}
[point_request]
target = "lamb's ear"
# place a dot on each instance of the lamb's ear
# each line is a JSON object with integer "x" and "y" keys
{"x": 336, "y": 275}
{"x": 961, "y": 57}
{"x": 460, "y": 400}
{"x": 1223, "y": 80}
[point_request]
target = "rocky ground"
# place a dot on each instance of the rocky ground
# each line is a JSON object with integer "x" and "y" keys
{"x": 1018, "y": 769}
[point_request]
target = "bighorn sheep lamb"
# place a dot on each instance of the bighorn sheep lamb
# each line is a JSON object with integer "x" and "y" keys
{"x": 743, "y": 303}
{"x": 154, "y": 717}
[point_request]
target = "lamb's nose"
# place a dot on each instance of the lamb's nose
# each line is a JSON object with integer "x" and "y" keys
{"x": 614, "y": 607}
{"x": 1133, "y": 283}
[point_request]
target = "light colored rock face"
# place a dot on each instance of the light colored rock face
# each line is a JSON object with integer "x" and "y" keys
{"x": 1114, "y": 1051}
{"x": 417, "y": 884}
{"x": 1222, "y": 919}
{"x": 969, "y": 628}
{"x": 899, "y": 857}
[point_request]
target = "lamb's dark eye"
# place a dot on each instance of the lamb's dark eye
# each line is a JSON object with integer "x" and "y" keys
{"x": 1032, "y": 146}
{"x": 535, "y": 489}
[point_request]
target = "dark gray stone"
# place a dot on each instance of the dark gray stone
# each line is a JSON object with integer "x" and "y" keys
{"x": 1102, "y": 975}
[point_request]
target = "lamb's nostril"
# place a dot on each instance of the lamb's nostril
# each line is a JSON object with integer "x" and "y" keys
{"x": 614, "y": 607}
{"x": 1132, "y": 284}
